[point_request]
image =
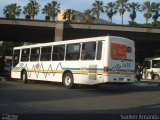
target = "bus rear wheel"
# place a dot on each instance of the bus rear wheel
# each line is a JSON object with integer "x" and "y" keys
{"x": 24, "y": 77}
{"x": 68, "y": 80}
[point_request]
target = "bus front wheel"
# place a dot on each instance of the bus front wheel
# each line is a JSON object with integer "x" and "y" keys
{"x": 24, "y": 77}
{"x": 68, "y": 80}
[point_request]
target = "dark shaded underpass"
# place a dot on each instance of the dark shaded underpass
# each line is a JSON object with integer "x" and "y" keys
{"x": 146, "y": 39}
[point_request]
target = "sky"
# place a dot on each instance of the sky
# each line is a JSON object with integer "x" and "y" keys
{"x": 79, "y": 5}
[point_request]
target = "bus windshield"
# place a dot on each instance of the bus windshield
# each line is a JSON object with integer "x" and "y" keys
{"x": 147, "y": 64}
{"x": 16, "y": 55}
{"x": 155, "y": 63}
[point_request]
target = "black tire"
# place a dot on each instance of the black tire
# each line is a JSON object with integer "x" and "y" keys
{"x": 68, "y": 80}
{"x": 156, "y": 77}
{"x": 24, "y": 77}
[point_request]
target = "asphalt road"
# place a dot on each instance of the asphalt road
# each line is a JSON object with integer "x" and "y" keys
{"x": 50, "y": 98}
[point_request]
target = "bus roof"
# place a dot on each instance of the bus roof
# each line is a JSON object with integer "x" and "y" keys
{"x": 71, "y": 41}
{"x": 147, "y": 59}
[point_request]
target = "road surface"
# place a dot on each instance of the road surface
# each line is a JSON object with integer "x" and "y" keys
{"x": 17, "y": 98}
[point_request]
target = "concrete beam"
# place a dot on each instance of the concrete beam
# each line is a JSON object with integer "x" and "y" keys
{"x": 36, "y": 23}
{"x": 59, "y": 31}
{"x": 113, "y": 27}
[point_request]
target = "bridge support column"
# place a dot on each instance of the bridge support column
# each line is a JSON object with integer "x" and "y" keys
{"x": 59, "y": 31}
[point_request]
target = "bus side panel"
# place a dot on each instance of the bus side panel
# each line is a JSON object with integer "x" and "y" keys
{"x": 85, "y": 71}
{"x": 47, "y": 71}
{"x": 82, "y": 71}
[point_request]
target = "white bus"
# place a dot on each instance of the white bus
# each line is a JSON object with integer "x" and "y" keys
{"x": 88, "y": 61}
{"x": 152, "y": 68}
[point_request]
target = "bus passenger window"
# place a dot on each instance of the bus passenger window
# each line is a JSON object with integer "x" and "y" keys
{"x": 16, "y": 54}
{"x": 34, "y": 54}
{"x": 73, "y": 52}
{"x": 88, "y": 51}
{"x": 58, "y": 52}
{"x": 25, "y": 55}
{"x": 99, "y": 50}
{"x": 46, "y": 53}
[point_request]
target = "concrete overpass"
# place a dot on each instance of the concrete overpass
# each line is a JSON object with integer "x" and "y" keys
{"x": 146, "y": 39}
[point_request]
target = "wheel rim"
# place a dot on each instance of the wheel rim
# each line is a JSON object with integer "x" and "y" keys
{"x": 67, "y": 80}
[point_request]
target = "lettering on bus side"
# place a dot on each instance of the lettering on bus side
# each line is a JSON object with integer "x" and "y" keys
{"x": 116, "y": 67}
{"x": 121, "y": 66}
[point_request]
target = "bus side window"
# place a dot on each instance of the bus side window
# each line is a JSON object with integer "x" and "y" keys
{"x": 46, "y": 53}
{"x": 73, "y": 51}
{"x": 16, "y": 55}
{"x": 58, "y": 52}
{"x": 25, "y": 54}
{"x": 35, "y": 54}
{"x": 88, "y": 51}
{"x": 99, "y": 50}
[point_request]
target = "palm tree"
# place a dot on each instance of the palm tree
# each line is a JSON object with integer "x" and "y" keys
{"x": 122, "y": 6}
{"x": 97, "y": 8}
{"x": 12, "y": 10}
{"x": 147, "y": 7}
{"x": 111, "y": 10}
{"x": 69, "y": 15}
{"x": 51, "y": 10}
{"x": 88, "y": 18}
{"x": 32, "y": 8}
{"x": 133, "y": 8}
{"x": 156, "y": 9}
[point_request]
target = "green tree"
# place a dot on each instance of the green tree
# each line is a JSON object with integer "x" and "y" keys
{"x": 31, "y": 9}
{"x": 69, "y": 15}
{"x": 147, "y": 8}
{"x": 12, "y": 10}
{"x": 133, "y": 8}
{"x": 51, "y": 10}
{"x": 156, "y": 24}
{"x": 97, "y": 8}
{"x": 122, "y": 6}
{"x": 6, "y": 48}
{"x": 111, "y": 9}
{"x": 88, "y": 18}
{"x": 155, "y": 10}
